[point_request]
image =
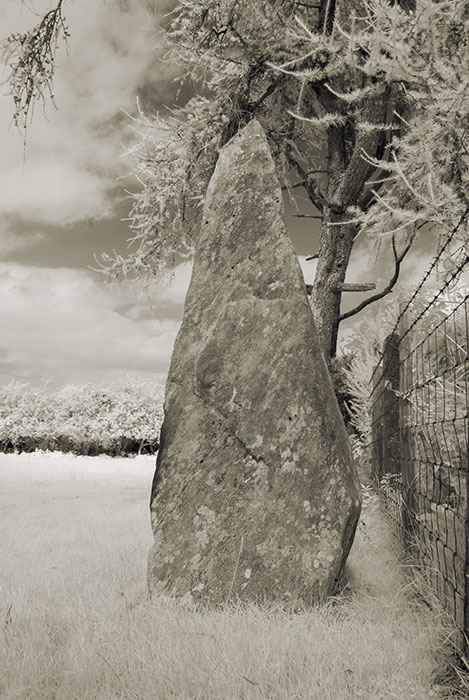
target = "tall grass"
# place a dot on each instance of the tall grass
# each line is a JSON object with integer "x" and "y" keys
{"x": 432, "y": 406}
{"x": 76, "y": 623}
{"x": 358, "y": 358}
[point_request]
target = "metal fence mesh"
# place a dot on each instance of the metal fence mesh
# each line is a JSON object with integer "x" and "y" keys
{"x": 420, "y": 432}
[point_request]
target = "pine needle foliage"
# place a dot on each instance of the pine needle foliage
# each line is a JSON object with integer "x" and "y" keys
{"x": 365, "y": 104}
{"x": 274, "y": 60}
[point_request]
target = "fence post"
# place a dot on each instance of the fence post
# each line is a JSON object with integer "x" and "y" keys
{"x": 386, "y": 444}
{"x": 405, "y": 428}
{"x": 466, "y": 514}
{"x": 391, "y": 402}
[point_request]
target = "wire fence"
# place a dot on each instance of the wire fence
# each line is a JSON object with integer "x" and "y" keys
{"x": 420, "y": 434}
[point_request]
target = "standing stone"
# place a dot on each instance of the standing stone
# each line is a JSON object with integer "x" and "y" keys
{"x": 255, "y": 495}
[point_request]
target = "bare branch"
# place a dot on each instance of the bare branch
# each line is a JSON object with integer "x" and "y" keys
{"x": 269, "y": 91}
{"x": 356, "y": 286}
{"x": 398, "y": 258}
{"x": 310, "y": 185}
{"x": 307, "y": 216}
{"x": 302, "y": 183}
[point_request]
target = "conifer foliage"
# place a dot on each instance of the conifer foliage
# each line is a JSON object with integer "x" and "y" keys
{"x": 366, "y": 107}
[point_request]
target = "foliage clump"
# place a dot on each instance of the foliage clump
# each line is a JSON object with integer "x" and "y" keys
{"x": 81, "y": 418}
{"x": 365, "y": 104}
{"x": 31, "y": 57}
{"x": 310, "y": 84}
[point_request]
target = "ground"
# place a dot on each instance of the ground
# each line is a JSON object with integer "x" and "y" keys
{"x": 76, "y": 624}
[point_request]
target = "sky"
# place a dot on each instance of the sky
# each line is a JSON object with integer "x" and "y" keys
{"x": 66, "y": 201}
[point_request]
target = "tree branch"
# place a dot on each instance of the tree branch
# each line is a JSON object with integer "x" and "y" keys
{"x": 302, "y": 183}
{"x": 307, "y": 216}
{"x": 269, "y": 91}
{"x": 327, "y": 15}
{"x": 358, "y": 169}
{"x": 384, "y": 148}
{"x": 311, "y": 187}
{"x": 30, "y": 57}
{"x": 398, "y": 258}
{"x": 355, "y": 286}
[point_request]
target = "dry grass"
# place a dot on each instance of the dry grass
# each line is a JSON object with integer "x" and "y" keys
{"x": 76, "y": 625}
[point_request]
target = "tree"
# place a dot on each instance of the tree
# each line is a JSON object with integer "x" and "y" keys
{"x": 83, "y": 418}
{"x": 364, "y": 102}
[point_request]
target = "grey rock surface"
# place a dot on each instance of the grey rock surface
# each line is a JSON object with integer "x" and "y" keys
{"x": 255, "y": 495}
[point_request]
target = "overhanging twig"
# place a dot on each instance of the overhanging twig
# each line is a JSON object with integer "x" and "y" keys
{"x": 398, "y": 258}
{"x": 355, "y": 286}
{"x": 307, "y": 216}
{"x": 311, "y": 187}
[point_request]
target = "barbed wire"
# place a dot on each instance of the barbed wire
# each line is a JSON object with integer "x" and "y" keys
{"x": 459, "y": 305}
{"x": 419, "y": 411}
{"x": 448, "y": 281}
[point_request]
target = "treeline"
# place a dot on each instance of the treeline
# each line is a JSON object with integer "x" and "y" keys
{"x": 81, "y": 418}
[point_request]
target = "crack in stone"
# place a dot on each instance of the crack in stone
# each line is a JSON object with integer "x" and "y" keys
{"x": 253, "y": 333}
{"x": 227, "y": 419}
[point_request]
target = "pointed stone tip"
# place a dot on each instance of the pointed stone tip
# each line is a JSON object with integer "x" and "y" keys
{"x": 253, "y": 129}
{"x": 244, "y": 190}
{"x": 254, "y": 125}
{"x": 255, "y": 493}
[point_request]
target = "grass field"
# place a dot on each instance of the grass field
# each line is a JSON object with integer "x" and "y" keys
{"x": 76, "y": 624}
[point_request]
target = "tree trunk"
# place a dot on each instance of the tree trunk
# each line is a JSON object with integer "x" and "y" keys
{"x": 336, "y": 243}
{"x": 348, "y": 174}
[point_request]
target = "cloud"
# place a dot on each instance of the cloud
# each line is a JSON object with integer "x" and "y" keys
{"x": 65, "y": 325}
{"x": 162, "y": 299}
{"x": 73, "y": 153}
{"x": 67, "y": 194}
{"x": 12, "y": 242}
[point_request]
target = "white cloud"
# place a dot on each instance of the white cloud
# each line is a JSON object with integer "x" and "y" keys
{"x": 65, "y": 325}
{"x": 65, "y": 195}
{"x": 12, "y": 242}
{"x": 73, "y": 155}
{"x": 172, "y": 293}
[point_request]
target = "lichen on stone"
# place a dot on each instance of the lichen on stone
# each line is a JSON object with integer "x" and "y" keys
{"x": 254, "y": 472}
